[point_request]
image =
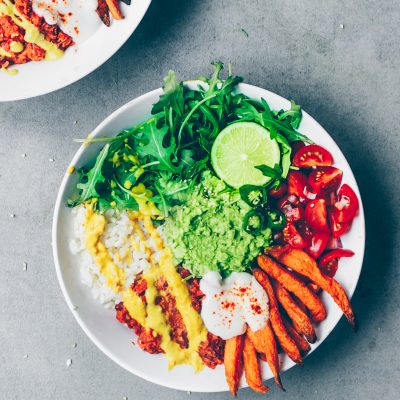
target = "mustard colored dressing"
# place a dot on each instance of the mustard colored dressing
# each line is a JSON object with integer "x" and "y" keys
{"x": 16, "y": 47}
{"x": 4, "y": 53}
{"x": 95, "y": 225}
{"x": 32, "y": 34}
{"x": 155, "y": 318}
{"x": 149, "y": 314}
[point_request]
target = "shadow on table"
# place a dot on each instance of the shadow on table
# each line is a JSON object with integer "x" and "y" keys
{"x": 161, "y": 20}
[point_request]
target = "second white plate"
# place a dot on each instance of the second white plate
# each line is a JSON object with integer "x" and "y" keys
{"x": 37, "y": 78}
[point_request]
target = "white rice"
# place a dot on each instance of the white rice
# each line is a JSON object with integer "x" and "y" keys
{"x": 118, "y": 238}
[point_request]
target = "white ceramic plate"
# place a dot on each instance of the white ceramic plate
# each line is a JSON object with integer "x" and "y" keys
{"x": 100, "y": 324}
{"x": 37, "y": 78}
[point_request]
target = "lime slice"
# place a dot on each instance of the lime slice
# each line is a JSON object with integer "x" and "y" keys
{"x": 238, "y": 149}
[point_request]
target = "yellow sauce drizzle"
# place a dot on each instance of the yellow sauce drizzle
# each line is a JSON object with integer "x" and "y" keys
{"x": 16, "y": 47}
{"x": 4, "y": 53}
{"x": 149, "y": 314}
{"x": 155, "y": 318}
{"x": 95, "y": 225}
{"x": 32, "y": 33}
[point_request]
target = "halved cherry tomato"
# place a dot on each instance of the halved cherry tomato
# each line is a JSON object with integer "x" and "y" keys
{"x": 279, "y": 191}
{"x": 330, "y": 268}
{"x": 338, "y": 228}
{"x": 296, "y": 146}
{"x": 312, "y": 156}
{"x": 338, "y": 253}
{"x": 325, "y": 179}
{"x": 290, "y": 206}
{"x": 288, "y": 199}
{"x": 297, "y": 183}
{"x": 293, "y": 237}
{"x": 318, "y": 244}
{"x": 346, "y": 207}
{"x": 316, "y": 215}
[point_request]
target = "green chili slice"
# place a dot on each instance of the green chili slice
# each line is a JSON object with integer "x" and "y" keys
{"x": 276, "y": 220}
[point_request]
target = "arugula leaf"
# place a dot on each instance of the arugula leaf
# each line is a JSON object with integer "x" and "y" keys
{"x": 275, "y": 173}
{"x": 293, "y": 115}
{"x": 152, "y": 144}
{"x": 286, "y": 151}
{"x": 172, "y": 97}
{"x": 93, "y": 177}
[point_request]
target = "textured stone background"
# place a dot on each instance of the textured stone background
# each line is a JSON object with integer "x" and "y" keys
{"x": 348, "y": 79}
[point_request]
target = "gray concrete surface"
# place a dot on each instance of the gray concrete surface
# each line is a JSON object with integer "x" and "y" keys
{"x": 348, "y": 79}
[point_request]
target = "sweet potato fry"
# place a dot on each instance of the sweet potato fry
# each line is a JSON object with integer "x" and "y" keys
{"x": 302, "y": 343}
{"x": 287, "y": 343}
{"x": 102, "y": 12}
{"x": 115, "y": 10}
{"x": 233, "y": 361}
{"x": 295, "y": 286}
{"x": 277, "y": 251}
{"x": 302, "y": 263}
{"x": 252, "y": 368}
{"x": 300, "y": 320}
{"x": 264, "y": 343}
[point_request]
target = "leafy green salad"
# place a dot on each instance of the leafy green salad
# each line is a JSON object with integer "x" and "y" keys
{"x": 202, "y": 165}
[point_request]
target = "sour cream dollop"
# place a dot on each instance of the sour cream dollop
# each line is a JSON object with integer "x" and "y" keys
{"x": 232, "y": 304}
{"x": 77, "y": 18}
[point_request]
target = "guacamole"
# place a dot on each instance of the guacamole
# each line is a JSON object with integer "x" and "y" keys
{"x": 206, "y": 233}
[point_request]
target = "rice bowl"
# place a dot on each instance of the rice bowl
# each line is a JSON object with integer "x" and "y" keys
{"x": 181, "y": 377}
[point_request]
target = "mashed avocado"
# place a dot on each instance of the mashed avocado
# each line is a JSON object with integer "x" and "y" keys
{"x": 206, "y": 232}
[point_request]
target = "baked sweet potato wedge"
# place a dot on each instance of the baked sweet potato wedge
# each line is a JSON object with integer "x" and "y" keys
{"x": 294, "y": 285}
{"x": 302, "y": 263}
{"x": 287, "y": 343}
{"x": 115, "y": 9}
{"x": 252, "y": 367}
{"x": 302, "y": 343}
{"x": 233, "y": 362}
{"x": 300, "y": 320}
{"x": 265, "y": 343}
{"x": 103, "y": 12}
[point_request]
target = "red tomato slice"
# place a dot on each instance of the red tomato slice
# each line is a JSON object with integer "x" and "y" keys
{"x": 279, "y": 191}
{"x": 291, "y": 208}
{"x": 338, "y": 228}
{"x": 325, "y": 179}
{"x": 347, "y": 205}
{"x": 312, "y": 156}
{"x": 316, "y": 216}
{"x": 330, "y": 269}
{"x": 318, "y": 244}
{"x": 297, "y": 184}
{"x": 338, "y": 253}
{"x": 293, "y": 237}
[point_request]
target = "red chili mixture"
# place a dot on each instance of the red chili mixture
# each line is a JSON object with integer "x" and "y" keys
{"x": 11, "y": 33}
{"x": 211, "y": 351}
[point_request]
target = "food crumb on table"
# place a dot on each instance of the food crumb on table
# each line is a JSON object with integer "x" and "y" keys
{"x": 74, "y": 345}
{"x": 341, "y": 26}
{"x": 24, "y": 265}
{"x": 25, "y": 356}
{"x": 23, "y": 155}
{"x": 51, "y": 159}
{"x": 68, "y": 362}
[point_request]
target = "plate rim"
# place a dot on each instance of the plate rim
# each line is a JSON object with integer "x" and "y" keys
{"x": 57, "y": 262}
{"x": 10, "y": 96}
